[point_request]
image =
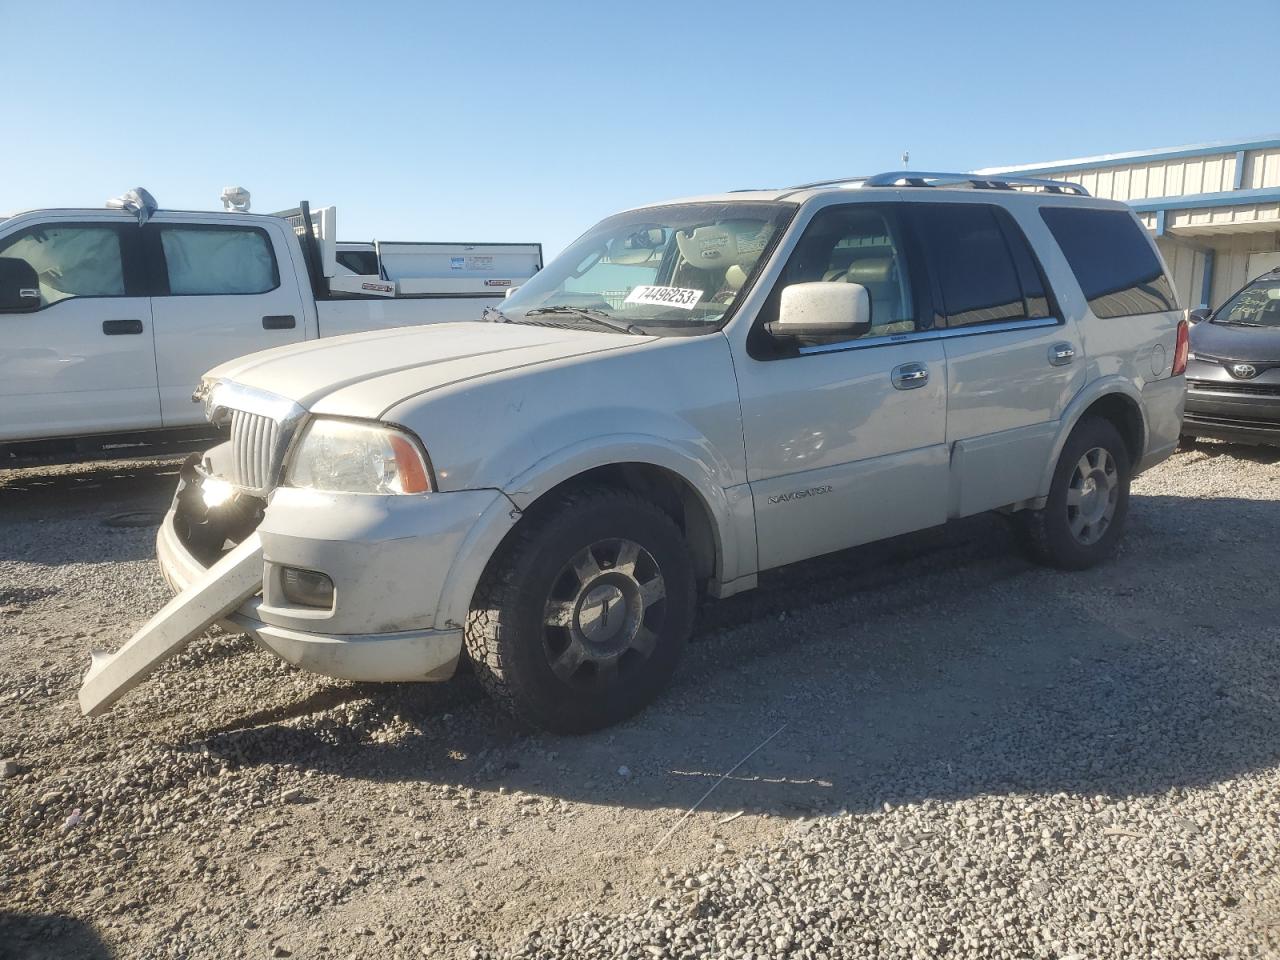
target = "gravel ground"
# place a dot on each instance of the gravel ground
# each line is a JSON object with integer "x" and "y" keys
{"x": 980, "y": 758}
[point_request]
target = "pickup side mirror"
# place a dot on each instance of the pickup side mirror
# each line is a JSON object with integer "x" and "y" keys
{"x": 1200, "y": 314}
{"x": 826, "y": 310}
{"x": 19, "y": 286}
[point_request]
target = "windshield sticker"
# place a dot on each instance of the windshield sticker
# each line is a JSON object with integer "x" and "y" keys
{"x": 665, "y": 297}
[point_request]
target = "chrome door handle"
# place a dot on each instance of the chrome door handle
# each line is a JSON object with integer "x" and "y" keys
{"x": 910, "y": 376}
{"x": 1060, "y": 354}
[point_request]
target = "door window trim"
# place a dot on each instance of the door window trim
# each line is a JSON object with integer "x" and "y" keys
{"x": 132, "y": 268}
{"x": 159, "y": 265}
{"x": 942, "y": 333}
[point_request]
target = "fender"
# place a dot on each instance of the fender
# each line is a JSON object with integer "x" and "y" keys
{"x": 732, "y": 517}
{"x": 1093, "y": 391}
{"x": 681, "y": 457}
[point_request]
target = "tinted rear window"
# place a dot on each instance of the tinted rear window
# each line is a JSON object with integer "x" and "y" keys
{"x": 1113, "y": 261}
{"x": 975, "y": 270}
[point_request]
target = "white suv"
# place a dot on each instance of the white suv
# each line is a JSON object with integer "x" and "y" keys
{"x": 690, "y": 394}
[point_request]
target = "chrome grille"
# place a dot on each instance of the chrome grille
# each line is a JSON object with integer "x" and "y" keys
{"x": 254, "y": 440}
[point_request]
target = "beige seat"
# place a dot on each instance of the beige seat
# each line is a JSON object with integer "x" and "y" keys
{"x": 878, "y": 275}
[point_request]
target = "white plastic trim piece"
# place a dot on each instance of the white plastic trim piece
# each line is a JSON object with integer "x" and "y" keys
{"x": 223, "y": 587}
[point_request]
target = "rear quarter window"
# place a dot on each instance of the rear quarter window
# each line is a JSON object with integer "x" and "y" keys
{"x": 1113, "y": 261}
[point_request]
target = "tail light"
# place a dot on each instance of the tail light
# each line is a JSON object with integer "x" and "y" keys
{"x": 1182, "y": 348}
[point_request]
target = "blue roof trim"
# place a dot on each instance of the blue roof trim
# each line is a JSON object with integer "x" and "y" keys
{"x": 1227, "y": 198}
{"x": 1221, "y": 148}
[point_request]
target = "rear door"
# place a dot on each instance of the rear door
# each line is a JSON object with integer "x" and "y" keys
{"x": 1014, "y": 361}
{"x": 221, "y": 292}
{"x": 83, "y": 361}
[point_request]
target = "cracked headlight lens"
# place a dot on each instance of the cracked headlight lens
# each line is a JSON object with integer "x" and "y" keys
{"x": 353, "y": 457}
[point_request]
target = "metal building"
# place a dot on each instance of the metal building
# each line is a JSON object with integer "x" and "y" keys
{"x": 1214, "y": 207}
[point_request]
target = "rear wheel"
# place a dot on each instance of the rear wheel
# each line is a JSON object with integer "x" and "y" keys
{"x": 582, "y": 615}
{"x": 1084, "y": 517}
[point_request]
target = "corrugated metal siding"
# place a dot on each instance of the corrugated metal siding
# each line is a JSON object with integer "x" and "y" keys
{"x": 1252, "y": 213}
{"x": 1162, "y": 178}
{"x": 1261, "y": 169}
{"x": 1186, "y": 265}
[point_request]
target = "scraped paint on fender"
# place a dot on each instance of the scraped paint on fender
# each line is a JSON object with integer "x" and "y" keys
{"x": 223, "y": 587}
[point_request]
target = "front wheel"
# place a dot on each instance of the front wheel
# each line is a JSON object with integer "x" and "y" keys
{"x": 581, "y": 616}
{"x": 1083, "y": 519}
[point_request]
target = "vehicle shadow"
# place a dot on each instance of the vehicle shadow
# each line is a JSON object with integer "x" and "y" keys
{"x": 29, "y": 936}
{"x": 940, "y": 665}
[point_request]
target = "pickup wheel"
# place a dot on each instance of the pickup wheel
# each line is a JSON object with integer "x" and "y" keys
{"x": 581, "y": 616}
{"x": 1084, "y": 518}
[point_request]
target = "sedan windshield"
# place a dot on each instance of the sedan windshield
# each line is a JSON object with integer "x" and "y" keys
{"x": 671, "y": 270}
{"x": 1257, "y": 305}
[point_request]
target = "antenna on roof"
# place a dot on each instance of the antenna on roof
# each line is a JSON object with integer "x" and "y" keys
{"x": 906, "y": 159}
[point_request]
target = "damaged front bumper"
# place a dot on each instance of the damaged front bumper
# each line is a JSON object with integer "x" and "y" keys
{"x": 388, "y": 556}
{"x": 391, "y": 656}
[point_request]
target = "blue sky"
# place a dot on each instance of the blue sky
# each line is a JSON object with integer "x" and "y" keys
{"x": 529, "y": 121}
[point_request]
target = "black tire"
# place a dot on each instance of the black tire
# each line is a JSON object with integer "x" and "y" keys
{"x": 1051, "y": 532}
{"x": 526, "y": 662}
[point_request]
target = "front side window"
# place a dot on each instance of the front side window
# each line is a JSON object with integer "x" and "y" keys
{"x": 203, "y": 260}
{"x": 865, "y": 244}
{"x": 1113, "y": 261}
{"x": 973, "y": 264}
{"x": 71, "y": 261}
{"x": 1257, "y": 305}
{"x": 673, "y": 270}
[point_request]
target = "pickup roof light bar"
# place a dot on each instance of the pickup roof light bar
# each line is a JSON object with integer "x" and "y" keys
{"x": 917, "y": 178}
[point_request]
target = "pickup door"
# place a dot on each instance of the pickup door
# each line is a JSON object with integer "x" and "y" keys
{"x": 221, "y": 291}
{"x": 82, "y": 362}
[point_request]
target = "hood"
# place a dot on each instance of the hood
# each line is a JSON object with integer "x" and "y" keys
{"x": 365, "y": 374}
{"x": 1225, "y": 342}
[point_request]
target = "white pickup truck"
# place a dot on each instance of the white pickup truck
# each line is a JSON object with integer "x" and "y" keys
{"x": 108, "y": 322}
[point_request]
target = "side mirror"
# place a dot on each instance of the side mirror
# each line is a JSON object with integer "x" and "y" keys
{"x": 830, "y": 309}
{"x": 19, "y": 285}
{"x": 1200, "y": 314}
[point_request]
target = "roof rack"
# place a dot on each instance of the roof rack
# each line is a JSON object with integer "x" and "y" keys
{"x": 916, "y": 178}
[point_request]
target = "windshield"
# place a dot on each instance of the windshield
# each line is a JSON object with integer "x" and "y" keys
{"x": 1257, "y": 305}
{"x": 671, "y": 270}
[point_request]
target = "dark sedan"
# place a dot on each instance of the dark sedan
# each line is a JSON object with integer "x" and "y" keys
{"x": 1233, "y": 378}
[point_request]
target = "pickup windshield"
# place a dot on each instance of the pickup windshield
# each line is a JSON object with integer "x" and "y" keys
{"x": 672, "y": 270}
{"x": 1257, "y": 305}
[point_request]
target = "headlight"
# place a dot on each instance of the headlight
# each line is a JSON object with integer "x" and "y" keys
{"x": 351, "y": 457}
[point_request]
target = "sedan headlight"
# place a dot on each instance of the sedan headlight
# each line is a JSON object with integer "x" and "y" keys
{"x": 353, "y": 457}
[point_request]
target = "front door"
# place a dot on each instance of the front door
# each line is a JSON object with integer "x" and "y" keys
{"x": 846, "y": 441}
{"x": 221, "y": 294}
{"x": 83, "y": 361}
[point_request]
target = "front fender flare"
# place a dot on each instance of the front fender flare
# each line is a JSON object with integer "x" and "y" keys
{"x": 732, "y": 520}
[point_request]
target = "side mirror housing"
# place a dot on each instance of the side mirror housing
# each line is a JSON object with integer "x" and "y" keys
{"x": 1200, "y": 314}
{"x": 19, "y": 285}
{"x": 825, "y": 310}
